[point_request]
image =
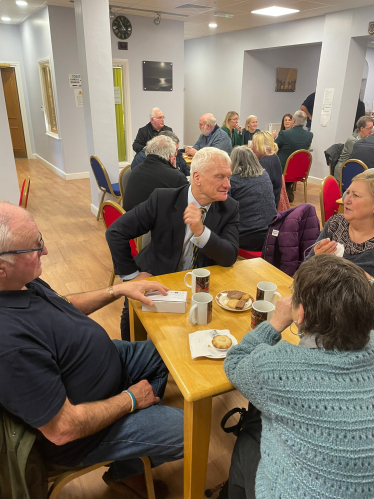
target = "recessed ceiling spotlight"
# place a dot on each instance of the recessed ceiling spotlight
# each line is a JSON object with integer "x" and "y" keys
{"x": 21, "y": 3}
{"x": 274, "y": 11}
{"x": 5, "y": 18}
{"x": 212, "y": 25}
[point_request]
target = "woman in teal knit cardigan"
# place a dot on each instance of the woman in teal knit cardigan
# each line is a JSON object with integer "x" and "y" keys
{"x": 233, "y": 129}
{"x": 317, "y": 398}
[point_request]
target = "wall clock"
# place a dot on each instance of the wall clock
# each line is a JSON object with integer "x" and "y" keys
{"x": 121, "y": 27}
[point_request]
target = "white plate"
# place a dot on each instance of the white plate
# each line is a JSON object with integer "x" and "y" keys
{"x": 223, "y": 295}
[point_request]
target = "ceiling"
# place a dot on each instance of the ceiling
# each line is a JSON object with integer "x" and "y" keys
{"x": 198, "y": 13}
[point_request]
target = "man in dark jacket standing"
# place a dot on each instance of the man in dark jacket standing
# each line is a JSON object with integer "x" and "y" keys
{"x": 157, "y": 170}
{"x": 152, "y": 129}
{"x": 292, "y": 140}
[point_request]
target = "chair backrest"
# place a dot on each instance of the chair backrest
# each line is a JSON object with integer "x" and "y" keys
{"x": 297, "y": 166}
{"x": 101, "y": 175}
{"x": 329, "y": 194}
{"x": 123, "y": 179}
{"x": 25, "y": 189}
{"x": 110, "y": 211}
{"x": 350, "y": 169}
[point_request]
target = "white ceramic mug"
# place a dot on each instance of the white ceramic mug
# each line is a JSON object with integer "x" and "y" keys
{"x": 261, "y": 311}
{"x": 200, "y": 281}
{"x": 267, "y": 291}
{"x": 201, "y": 310}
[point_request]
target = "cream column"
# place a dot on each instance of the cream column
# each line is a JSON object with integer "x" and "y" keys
{"x": 9, "y": 190}
{"x": 95, "y": 58}
{"x": 341, "y": 67}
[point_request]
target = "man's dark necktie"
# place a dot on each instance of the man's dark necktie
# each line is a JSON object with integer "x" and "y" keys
{"x": 196, "y": 248}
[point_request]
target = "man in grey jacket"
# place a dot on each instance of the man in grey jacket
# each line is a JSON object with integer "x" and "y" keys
{"x": 211, "y": 136}
{"x": 364, "y": 129}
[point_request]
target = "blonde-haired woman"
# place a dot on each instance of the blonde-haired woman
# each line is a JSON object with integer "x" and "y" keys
{"x": 250, "y": 128}
{"x": 266, "y": 149}
{"x": 233, "y": 129}
{"x": 355, "y": 229}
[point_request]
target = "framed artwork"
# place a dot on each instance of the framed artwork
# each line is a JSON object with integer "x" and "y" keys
{"x": 286, "y": 80}
{"x": 158, "y": 76}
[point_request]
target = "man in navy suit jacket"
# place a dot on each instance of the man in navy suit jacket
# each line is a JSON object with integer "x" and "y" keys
{"x": 176, "y": 223}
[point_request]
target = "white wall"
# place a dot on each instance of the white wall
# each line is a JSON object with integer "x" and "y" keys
{"x": 71, "y": 118}
{"x": 11, "y": 51}
{"x": 259, "y": 77}
{"x": 163, "y": 43}
{"x": 369, "y": 93}
{"x": 36, "y": 44}
{"x": 214, "y": 66}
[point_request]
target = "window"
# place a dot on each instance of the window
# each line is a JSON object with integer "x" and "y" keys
{"x": 48, "y": 97}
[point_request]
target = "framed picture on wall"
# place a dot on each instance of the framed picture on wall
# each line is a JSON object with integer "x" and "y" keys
{"x": 286, "y": 80}
{"x": 158, "y": 76}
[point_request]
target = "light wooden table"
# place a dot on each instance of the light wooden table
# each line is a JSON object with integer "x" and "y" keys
{"x": 201, "y": 379}
{"x": 188, "y": 159}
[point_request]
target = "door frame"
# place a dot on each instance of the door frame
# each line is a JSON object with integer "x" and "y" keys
{"x": 21, "y": 97}
{"x": 124, "y": 63}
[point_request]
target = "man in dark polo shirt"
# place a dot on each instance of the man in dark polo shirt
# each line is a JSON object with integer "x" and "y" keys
{"x": 152, "y": 129}
{"x": 61, "y": 373}
{"x": 157, "y": 171}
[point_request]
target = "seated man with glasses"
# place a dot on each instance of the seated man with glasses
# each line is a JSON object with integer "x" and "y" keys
{"x": 62, "y": 375}
{"x": 152, "y": 129}
{"x": 364, "y": 129}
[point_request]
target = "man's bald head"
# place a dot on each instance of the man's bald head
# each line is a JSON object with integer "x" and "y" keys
{"x": 15, "y": 224}
{"x": 206, "y": 123}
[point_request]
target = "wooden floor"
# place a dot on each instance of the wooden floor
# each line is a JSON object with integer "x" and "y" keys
{"x": 79, "y": 260}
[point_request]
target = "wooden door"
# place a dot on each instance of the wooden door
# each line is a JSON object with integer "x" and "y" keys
{"x": 8, "y": 76}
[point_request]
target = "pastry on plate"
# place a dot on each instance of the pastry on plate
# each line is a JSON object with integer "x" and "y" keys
{"x": 222, "y": 342}
{"x": 235, "y": 295}
{"x": 232, "y": 303}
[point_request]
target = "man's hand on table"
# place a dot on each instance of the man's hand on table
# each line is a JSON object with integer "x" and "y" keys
{"x": 282, "y": 317}
{"x": 144, "y": 395}
{"x": 136, "y": 288}
{"x": 190, "y": 151}
{"x": 192, "y": 217}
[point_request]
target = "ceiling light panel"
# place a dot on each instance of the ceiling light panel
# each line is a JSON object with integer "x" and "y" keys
{"x": 274, "y": 11}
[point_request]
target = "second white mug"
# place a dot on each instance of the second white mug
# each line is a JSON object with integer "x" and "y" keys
{"x": 267, "y": 291}
{"x": 200, "y": 280}
{"x": 201, "y": 310}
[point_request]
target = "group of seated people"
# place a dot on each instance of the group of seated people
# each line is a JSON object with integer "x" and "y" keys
{"x": 311, "y": 424}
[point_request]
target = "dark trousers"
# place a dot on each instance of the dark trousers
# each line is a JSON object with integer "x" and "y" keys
{"x": 253, "y": 241}
{"x": 244, "y": 461}
{"x": 125, "y": 322}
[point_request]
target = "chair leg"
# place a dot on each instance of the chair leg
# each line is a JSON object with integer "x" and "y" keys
{"x": 148, "y": 477}
{"x": 112, "y": 276}
{"x": 305, "y": 190}
{"x": 101, "y": 202}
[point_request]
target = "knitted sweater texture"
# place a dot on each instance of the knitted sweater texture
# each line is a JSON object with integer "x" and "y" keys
{"x": 317, "y": 416}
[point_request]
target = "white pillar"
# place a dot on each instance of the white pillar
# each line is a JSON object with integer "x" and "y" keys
{"x": 341, "y": 66}
{"x": 9, "y": 190}
{"x": 95, "y": 58}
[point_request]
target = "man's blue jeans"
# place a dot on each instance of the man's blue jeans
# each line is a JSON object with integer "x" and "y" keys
{"x": 156, "y": 432}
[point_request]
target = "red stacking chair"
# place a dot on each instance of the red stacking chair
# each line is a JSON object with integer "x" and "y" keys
{"x": 111, "y": 211}
{"x": 103, "y": 182}
{"x": 25, "y": 189}
{"x": 297, "y": 168}
{"x": 248, "y": 255}
{"x": 329, "y": 194}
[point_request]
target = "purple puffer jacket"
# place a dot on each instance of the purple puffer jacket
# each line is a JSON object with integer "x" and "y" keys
{"x": 289, "y": 235}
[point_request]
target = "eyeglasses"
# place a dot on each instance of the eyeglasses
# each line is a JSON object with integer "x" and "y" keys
{"x": 234, "y": 119}
{"x": 18, "y": 252}
{"x": 160, "y": 118}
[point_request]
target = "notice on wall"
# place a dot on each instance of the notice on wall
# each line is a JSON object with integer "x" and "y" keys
{"x": 75, "y": 81}
{"x": 328, "y": 98}
{"x": 117, "y": 95}
{"x": 78, "y": 97}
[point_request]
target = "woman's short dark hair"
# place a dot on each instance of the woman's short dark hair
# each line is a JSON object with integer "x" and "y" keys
{"x": 338, "y": 301}
{"x": 285, "y": 116}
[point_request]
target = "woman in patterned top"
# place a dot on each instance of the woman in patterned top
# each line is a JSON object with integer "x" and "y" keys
{"x": 355, "y": 229}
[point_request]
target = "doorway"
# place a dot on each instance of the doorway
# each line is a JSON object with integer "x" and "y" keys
{"x": 12, "y": 102}
{"x": 122, "y": 110}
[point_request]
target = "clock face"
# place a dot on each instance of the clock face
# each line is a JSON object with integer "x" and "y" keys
{"x": 121, "y": 27}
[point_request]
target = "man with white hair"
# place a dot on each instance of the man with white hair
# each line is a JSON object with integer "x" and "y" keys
{"x": 211, "y": 136}
{"x": 191, "y": 227}
{"x": 151, "y": 129}
{"x": 158, "y": 170}
{"x": 292, "y": 140}
{"x": 62, "y": 375}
